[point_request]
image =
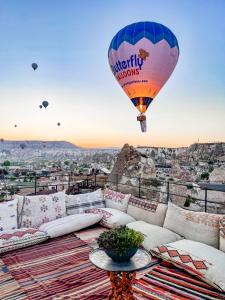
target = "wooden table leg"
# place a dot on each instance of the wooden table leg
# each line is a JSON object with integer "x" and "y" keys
{"x": 121, "y": 284}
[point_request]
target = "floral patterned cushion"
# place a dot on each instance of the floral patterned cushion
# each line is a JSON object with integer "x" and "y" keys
{"x": 198, "y": 259}
{"x": 8, "y": 215}
{"x": 36, "y": 210}
{"x": 222, "y": 234}
{"x": 19, "y": 238}
{"x": 116, "y": 200}
{"x": 76, "y": 204}
{"x": 111, "y": 218}
{"x": 196, "y": 226}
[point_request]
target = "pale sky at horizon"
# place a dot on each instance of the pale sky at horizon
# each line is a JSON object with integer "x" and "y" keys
{"x": 69, "y": 40}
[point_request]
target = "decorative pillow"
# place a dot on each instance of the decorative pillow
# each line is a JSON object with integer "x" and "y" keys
{"x": 222, "y": 234}
{"x": 154, "y": 235}
{"x": 203, "y": 261}
{"x": 145, "y": 210}
{"x": 20, "y": 238}
{"x": 196, "y": 226}
{"x": 36, "y": 210}
{"x": 116, "y": 200}
{"x": 8, "y": 215}
{"x": 112, "y": 218}
{"x": 76, "y": 204}
{"x": 69, "y": 224}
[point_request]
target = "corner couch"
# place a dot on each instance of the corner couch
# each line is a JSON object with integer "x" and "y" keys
{"x": 193, "y": 241}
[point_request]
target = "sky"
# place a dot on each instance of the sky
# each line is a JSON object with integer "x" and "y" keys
{"x": 69, "y": 40}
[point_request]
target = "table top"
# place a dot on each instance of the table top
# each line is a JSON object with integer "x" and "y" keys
{"x": 140, "y": 261}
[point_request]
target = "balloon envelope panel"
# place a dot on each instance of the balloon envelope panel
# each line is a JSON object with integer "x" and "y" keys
{"x": 142, "y": 57}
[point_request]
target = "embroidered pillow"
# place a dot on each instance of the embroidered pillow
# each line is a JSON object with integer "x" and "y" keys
{"x": 76, "y": 204}
{"x": 36, "y": 210}
{"x": 196, "y": 226}
{"x": 146, "y": 210}
{"x": 203, "y": 261}
{"x": 112, "y": 218}
{"x": 19, "y": 238}
{"x": 8, "y": 215}
{"x": 116, "y": 200}
{"x": 222, "y": 234}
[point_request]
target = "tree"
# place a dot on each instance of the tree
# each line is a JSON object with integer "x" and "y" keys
{"x": 205, "y": 176}
{"x": 6, "y": 163}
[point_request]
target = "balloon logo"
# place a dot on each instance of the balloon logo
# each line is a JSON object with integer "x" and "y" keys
{"x": 34, "y": 66}
{"x": 142, "y": 56}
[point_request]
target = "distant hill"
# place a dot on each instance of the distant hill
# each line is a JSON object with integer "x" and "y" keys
{"x": 37, "y": 145}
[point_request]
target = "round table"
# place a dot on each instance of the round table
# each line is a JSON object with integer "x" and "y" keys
{"x": 121, "y": 274}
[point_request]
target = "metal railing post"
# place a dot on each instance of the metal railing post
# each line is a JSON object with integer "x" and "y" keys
{"x": 205, "y": 199}
{"x": 35, "y": 184}
{"x": 168, "y": 191}
{"x": 95, "y": 180}
{"x": 139, "y": 187}
{"x": 117, "y": 182}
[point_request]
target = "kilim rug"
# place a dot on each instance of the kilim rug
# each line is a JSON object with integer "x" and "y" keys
{"x": 57, "y": 269}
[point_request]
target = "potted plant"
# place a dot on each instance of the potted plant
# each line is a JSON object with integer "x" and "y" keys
{"x": 121, "y": 243}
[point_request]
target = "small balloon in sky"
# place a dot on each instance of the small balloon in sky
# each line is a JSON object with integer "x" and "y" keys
{"x": 45, "y": 104}
{"x": 142, "y": 56}
{"x": 34, "y": 66}
{"x": 15, "y": 125}
{"x": 40, "y": 106}
{"x": 58, "y": 124}
{"x": 22, "y": 146}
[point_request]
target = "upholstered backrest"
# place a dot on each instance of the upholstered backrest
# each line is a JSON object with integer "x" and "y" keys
{"x": 116, "y": 200}
{"x": 222, "y": 234}
{"x": 145, "y": 210}
{"x": 197, "y": 226}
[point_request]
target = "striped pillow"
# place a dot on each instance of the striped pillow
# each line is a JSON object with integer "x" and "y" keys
{"x": 76, "y": 204}
{"x": 20, "y": 238}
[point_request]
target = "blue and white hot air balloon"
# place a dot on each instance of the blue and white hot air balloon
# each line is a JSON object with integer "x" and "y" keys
{"x": 142, "y": 56}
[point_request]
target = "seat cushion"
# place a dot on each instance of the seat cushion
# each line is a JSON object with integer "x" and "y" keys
{"x": 116, "y": 200}
{"x": 69, "y": 224}
{"x": 20, "y": 238}
{"x": 112, "y": 218}
{"x": 145, "y": 210}
{"x": 8, "y": 215}
{"x": 201, "y": 260}
{"x": 36, "y": 210}
{"x": 76, "y": 204}
{"x": 222, "y": 235}
{"x": 196, "y": 226}
{"x": 154, "y": 235}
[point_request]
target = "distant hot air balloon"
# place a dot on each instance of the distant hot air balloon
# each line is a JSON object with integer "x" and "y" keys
{"x": 58, "y": 124}
{"x": 40, "y": 106}
{"x": 34, "y": 66}
{"x": 45, "y": 104}
{"x": 22, "y": 146}
{"x": 142, "y": 56}
{"x": 15, "y": 125}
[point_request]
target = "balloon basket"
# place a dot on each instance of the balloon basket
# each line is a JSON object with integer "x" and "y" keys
{"x": 142, "y": 119}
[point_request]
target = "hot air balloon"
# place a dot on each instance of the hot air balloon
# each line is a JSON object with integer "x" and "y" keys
{"x": 58, "y": 124}
{"x": 45, "y": 104}
{"x": 34, "y": 66}
{"x": 22, "y": 146}
{"x": 40, "y": 106}
{"x": 15, "y": 125}
{"x": 142, "y": 56}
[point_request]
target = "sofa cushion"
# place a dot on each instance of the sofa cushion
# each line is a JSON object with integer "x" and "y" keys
{"x": 196, "y": 226}
{"x": 8, "y": 215}
{"x": 79, "y": 203}
{"x": 145, "y": 210}
{"x": 36, "y": 210}
{"x": 154, "y": 235}
{"x": 112, "y": 218}
{"x": 222, "y": 234}
{"x": 19, "y": 238}
{"x": 116, "y": 200}
{"x": 201, "y": 260}
{"x": 69, "y": 224}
